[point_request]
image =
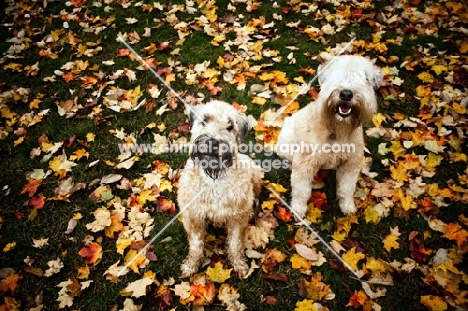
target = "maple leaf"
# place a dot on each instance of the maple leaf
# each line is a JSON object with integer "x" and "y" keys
{"x": 10, "y": 284}
{"x": 92, "y": 252}
{"x": 218, "y": 274}
{"x": 103, "y": 220}
{"x": 31, "y": 187}
{"x": 434, "y": 303}
{"x": 357, "y": 299}
{"x": 315, "y": 289}
{"x": 455, "y": 232}
{"x": 138, "y": 288}
{"x": 204, "y": 294}
{"x": 272, "y": 258}
{"x": 134, "y": 260}
{"x": 54, "y": 267}
{"x": 38, "y": 202}
{"x": 390, "y": 240}
{"x": 352, "y": 258}
{"x": 305, "y": 305}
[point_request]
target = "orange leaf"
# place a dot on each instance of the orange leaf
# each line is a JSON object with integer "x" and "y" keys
{"x": 283, "y": 214}
{"x": 165, "y": 205}
{"x": 204, "y": 295}
{"x": 457, "y": 233}
{"x": 115, "y": 226}
{"x": 357, "y": 299}
{"x": 10, "y": 283}
{"x": 92, "y": 252}
{"x": 31, "y": 187}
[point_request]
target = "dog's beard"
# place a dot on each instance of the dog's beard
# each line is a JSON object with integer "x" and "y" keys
{"x": 213, "y": 156}
{"x": 343, "y": 116}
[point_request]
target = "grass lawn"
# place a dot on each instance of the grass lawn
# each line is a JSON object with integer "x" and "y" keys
{"x": 77, "y": 211}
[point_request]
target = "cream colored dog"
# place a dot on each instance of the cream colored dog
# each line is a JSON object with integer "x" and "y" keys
{"x": 217, "y": 184}
{"x": 327, "y": 134}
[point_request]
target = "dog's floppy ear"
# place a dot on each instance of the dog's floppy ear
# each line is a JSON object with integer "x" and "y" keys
{"x": 378, "y": 75}
{"x": 193, "y": 112}
{"x": 321, "y": 74}
{"x": 244, "y": 124}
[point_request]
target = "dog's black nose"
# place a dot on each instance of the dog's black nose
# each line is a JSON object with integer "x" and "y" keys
{"x": 346, "y": 95}
{"x": 213, "y": 146}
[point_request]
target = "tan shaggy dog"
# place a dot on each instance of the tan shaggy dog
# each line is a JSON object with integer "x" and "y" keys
{"x": 218, "y": 184}
{"x": 327, "y": 133}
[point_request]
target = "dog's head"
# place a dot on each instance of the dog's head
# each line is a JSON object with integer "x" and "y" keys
{"x": 347, "y": 89}
{"x": 217, "y": 129}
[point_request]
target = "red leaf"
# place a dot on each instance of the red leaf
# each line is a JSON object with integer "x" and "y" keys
{"x": 37, "y": 202}
{"x": 31, "y": 187}
{"x": 67, "y": 143}
{"x": 276, "y": 276}
{"x": 92, "y": 252}
{"x": 283, "y": 214}
{"x": 164, "y": 205}
{"x": 123, "y": 52}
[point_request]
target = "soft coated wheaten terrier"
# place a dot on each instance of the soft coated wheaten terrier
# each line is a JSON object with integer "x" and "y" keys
{"x": 327, "y": 133}
{"x": 217, "y": 184}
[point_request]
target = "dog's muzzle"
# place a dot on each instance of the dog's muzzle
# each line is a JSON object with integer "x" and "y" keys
{"x": 344, "y": 108}
{"x": 212, "y": 155}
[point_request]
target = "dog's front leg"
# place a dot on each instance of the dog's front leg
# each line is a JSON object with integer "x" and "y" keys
{"x": 236, "y": 228}
{"x": 346, "y": 178}
{"x": 302, "y": 176}
{"x": 196, "y": 232}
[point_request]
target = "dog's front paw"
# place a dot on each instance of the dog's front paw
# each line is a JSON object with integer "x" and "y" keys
{"x": 241, "y": 268}
{"x": 299, "y": 210}
{"x": 188, "y": 268}
{"x": 347, "y": 206}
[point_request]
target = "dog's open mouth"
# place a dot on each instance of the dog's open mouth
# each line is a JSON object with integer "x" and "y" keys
{"x": 344, "y": 110}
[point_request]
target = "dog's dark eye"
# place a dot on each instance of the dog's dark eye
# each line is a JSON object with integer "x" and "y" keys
{"x": 205, "y": 121}
{"x": 230, "y": 127}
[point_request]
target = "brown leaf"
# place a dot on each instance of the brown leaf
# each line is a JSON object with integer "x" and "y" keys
{"x": 271, "y": 300}
{"x": 275, "y": 276}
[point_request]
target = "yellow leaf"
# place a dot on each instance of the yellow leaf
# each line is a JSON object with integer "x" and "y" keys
{"x": 90, "y": 137}
{"x": 434, "y": 303}
{"x": 426, "y": 77}
{"x": 314, "y": 214}
{"x": 218, "y": 274}
{"x": 438, "y": 69}
{"x": 390, "y": 240}
{"x": 35, "y": 103}
{"x": 18, "y": 141}
{"x": 352, "y": 258}
{"x": 371, "y": 215}
{"x": 378, "y": 118}
{"x": 165, "y": 185}
{"x": 399, "y": 172}
{"x": 9, "y": 247}
{"x": 122, "y": 244}
{"x": 259, "y": 100}
{"x": 146, "y": 195}
{"x": 269, "y": 204}
{"x": 299, "y": 262}
{"x": 133, "y": 260}
{"x": 433, "y": 160}
{"x": 276, "y": 188}
{"x": 305, "y": 305}
{"x": 396, "y": 148}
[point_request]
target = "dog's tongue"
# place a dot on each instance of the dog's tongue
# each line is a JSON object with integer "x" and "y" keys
{"x": 344, "y": 110}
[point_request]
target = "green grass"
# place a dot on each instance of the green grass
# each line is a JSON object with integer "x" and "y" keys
{"x": 51, "y": 221}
